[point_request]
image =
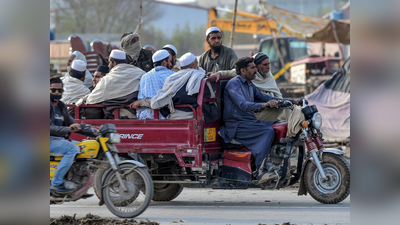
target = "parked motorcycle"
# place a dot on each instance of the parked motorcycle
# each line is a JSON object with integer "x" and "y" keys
{"x": 126, "y": 186}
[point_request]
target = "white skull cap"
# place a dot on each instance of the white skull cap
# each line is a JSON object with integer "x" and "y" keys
{"x": 160, "y": 55}
{"x": 187, "y": 59}
{"x": 211, "y": 29}
{"x": 78, "y": 65}
{"x": 171, "y": 47}
{"x": 118, "y": 54}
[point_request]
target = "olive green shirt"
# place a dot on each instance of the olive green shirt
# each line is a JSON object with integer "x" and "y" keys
{"x": 224, "y": 61}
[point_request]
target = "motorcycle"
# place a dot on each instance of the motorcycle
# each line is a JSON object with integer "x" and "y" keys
{"x": 126, "y": 187}
{"x": 323, "y": 172}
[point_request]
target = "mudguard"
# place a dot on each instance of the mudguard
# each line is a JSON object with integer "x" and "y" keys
{"x": 302, "y": 188}
{"x": 331, "y": 150}
{"x": 139, "y": 164}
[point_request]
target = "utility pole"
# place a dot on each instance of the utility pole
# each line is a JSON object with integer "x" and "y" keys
{"x": 233, "y": 24}
{"x": 301, "y": 7}
{"x": 140, "y": 18}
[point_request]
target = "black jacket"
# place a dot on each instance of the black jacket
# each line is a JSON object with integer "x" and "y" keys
{"x": 144, "y": 60}
{"x": 61, "y": 131}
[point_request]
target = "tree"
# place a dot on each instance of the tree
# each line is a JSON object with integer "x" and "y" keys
{"x": 187, "y": 38}
{"x": 101, "y": 16}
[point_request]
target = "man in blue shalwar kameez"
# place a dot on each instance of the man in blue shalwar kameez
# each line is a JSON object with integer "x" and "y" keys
{"x": 240, "y": 122}
{"x": 153, "y": 81}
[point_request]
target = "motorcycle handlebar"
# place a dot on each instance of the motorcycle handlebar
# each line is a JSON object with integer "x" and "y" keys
{"x": 303, "y": 102}
{"x": 88, "y": 130}
{"x": 285, "y": 103}
{"x": 281, "y": 104}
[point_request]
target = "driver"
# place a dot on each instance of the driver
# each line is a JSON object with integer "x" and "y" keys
{"x": 264, "y": 81}
{"x": 240, "y": 122}
{"x": 61, "y": 124}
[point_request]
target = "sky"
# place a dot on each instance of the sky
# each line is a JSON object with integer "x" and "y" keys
{"x": 174, "y": 14}
{"x": 177, "y": 1}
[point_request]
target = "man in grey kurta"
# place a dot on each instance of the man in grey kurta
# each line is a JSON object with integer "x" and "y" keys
{"x": 218, "y": 57}
{"x": 240, "y": 122}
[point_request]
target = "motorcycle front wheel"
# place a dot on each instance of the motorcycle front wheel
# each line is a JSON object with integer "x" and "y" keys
{"x": 134, "y": 201}
{"x": 337, "y": 187}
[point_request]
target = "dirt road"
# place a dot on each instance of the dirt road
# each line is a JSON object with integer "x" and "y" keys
{"x": 207, "y": 206}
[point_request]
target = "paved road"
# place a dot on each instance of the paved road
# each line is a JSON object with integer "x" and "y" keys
{"x": 207, "y": 206}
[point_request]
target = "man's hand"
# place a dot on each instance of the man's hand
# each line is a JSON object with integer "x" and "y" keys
{"x": 135, "y": 104}
{"x": 272, "y": 103}
{"x": 82, "y": 101}
{"x": 300, "y": 101}
{"x": 74, "y": 127}
{"x": 212, "y": 75}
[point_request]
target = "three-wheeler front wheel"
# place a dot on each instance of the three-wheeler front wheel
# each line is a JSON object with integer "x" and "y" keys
{"x": 336, "y": 187}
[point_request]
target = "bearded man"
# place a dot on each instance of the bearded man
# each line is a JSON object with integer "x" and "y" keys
{"x": 173, "y": 52}
{"x": 241, "y": 99}
{"x": 266, "y": 83}
{"x": 218, "y": 57}
{"x": 135, "y": 55}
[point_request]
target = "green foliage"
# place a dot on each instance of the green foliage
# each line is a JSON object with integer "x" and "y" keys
{"x": 185, "y": 38}
{"x": 101, "y": 16}
{"x": 238, "y": 39}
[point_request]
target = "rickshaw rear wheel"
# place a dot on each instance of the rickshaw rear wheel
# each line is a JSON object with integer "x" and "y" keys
{"x": 166, "y": 192}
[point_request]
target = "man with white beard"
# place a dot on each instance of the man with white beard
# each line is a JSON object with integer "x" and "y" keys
{"x": 266, "y": 83}
{"x": 135, "y": 55}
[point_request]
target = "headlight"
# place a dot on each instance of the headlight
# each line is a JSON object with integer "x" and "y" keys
{"x": 307, "y": 111}
{"x": 114, "y": 138}
{"x": 317, "y": 120}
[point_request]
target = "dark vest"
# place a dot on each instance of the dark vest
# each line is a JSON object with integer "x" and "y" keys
{"x": 144, "y": 60}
